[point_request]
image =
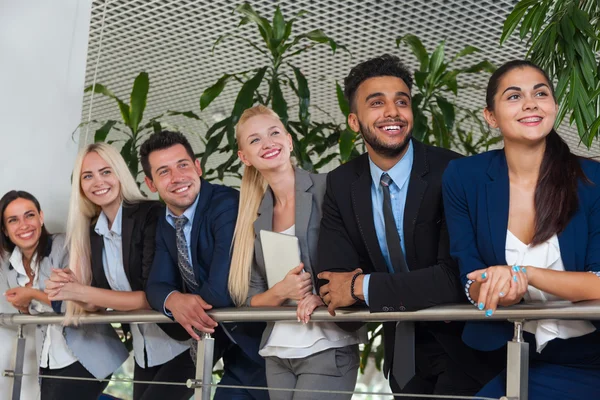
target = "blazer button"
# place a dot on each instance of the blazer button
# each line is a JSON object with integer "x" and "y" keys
{"x": 402, "y": 308}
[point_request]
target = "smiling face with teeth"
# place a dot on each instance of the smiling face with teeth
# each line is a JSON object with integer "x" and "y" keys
{"x": 22, "y": 224}
{"x": 524, "y": 108}
{"x": 264, "y": 143}
{"x": 175, "y": 176}
{"x": 383, "y": 115}
{"x": 100, "y": 184}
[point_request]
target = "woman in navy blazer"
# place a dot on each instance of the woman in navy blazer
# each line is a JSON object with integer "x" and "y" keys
{"x": 524, "y": 225}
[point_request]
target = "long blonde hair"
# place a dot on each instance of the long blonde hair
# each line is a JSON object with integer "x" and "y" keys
{"x": 252, "y": 190}
{"x": 82, "y": 212}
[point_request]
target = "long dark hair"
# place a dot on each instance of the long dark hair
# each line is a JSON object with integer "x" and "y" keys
{"x": 555, "y": 198}
{"x": 5, "y": 243}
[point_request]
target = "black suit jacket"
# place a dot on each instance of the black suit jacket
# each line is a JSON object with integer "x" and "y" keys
{"x": 138, "y": 228}
{"x": 348, "y": 240}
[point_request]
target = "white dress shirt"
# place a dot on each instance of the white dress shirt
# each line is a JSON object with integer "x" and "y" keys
{"x": 55, "y": 353}
{"x": 158, "y": 346}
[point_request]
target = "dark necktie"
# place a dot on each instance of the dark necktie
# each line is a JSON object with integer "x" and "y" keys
{"x": 183, "y": 259}
{"x": 403, "y": 364}
{"x": 186, "y": 271}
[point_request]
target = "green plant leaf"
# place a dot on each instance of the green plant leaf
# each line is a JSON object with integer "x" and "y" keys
{"x": 436, "y": 60}
{"x": 465, "y": 52}
{"x": 324, "y": 161}
{"x": 278, "y": 101}
{"x": 417, "y": 49}
{"x": 513, "y": 19}
{"x": 528, "y": 20}
{"x": 123, "y": 107}
{"x": 567, "y": 29}
{"x": 137, "y": 102}
{"x": 420, "y": 77}
{"x": 212, "y": 145}
{"x": 245, "y": 97}
{"x": 420, "y": 125}
{"x": 484, "y": 65}
{"x": 129, "y": 154}
{"x": 102, "y": 132}
{"x": 346, "y": 144}
{"x": 342, "y": 102}
{"x": 581, "y": 20}
{"x": 448, "y": 112}
{"x": 278, "y": 25}
{"x": 264, "y": 27}
{"x": 216, "y": 126}
{"x": 213, "y": 92}
{"x": 303, "y": 96}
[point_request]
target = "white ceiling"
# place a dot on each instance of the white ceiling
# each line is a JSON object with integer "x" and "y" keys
{"x": 172, "y": 41}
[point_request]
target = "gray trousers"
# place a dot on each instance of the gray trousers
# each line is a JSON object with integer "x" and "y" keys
{"x": 332, "y": 369}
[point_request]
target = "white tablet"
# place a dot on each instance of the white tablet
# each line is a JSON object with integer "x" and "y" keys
{"x": 281, "y": 253}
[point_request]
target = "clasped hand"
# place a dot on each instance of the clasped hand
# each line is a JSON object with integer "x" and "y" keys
{"x": 503, "y": 285}
{"x": 20, "y": 298}
{"x": 62, "y": 285}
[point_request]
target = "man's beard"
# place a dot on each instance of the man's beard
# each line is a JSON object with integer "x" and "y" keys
{"x": 383, "y": 149}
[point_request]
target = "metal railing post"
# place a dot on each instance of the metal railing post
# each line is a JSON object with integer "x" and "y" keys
{"x": 204, "y": 366}
{"x": 17, "y": 372}
{"x": 517, "y": 365}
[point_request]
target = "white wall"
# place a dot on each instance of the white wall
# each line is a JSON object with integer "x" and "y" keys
{"x": 43, "y": 47}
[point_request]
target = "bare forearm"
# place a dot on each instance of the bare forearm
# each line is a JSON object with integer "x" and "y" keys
{"x": 113, "y": 299}
{"x": 572, "y": 286}
{"x": 41, "y": 297}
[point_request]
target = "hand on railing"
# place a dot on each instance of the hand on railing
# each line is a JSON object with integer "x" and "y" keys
{"x": 306, "y": 306}
{"x": 503, "y": 285}
{"x": 190, "y": 311}
{"x": 58, "y": 279}
{"x": 337, "y": 292}
{"x": 20, "y": 297}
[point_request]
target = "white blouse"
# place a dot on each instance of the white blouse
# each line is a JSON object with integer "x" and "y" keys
{"x": 55, "y": 353}
{"x": 544, "y": 255}
{"x": 298, "y": 340}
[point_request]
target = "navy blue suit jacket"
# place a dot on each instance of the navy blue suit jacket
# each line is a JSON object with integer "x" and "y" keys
{"x": 212, "y": 233}
{"x": 476, "y": 201}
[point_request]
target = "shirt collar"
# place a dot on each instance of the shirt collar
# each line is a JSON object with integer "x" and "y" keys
{"x": 189, "y": 212}
{"x": 16, "y": 260}
{"x": 101, "y": 227}
{"x": 399, "y": 172}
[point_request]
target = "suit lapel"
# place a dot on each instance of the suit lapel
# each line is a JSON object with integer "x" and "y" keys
{"x": 127, "y": 223}
{"x": 97, "y": 245}
{"x": 263, "y": 222}
{"x": 566, "y": 241}
{"x": 498, "y": 199}
{"x": 363, "y": 210}
{"x": 414, "y": 197}
{"x": 304, "y": 201}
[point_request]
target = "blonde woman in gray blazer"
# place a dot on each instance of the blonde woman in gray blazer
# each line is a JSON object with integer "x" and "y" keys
{"x": 28, "y": 254}
{"x": 277, "y": 197}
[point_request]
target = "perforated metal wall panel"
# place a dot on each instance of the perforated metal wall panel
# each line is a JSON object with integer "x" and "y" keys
{"x": 172, "y": 41}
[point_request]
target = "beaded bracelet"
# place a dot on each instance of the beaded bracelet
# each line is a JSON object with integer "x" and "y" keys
{"x": 467, "y": 287}
{"x": 354, "y": 296}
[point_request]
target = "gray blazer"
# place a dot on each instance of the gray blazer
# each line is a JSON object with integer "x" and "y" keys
{"x": 310, "y": 190}
{"x": 97, "y": 347}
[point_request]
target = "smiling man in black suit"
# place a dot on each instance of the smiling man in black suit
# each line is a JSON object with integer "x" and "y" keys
{"x": 384, "y": 239}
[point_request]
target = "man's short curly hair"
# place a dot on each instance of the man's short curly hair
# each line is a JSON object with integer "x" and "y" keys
{"x": 385, "y": 65}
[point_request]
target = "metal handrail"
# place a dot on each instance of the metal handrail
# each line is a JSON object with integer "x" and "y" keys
{"x": 586, "y": 310}
{"x": 517, "y": 365}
